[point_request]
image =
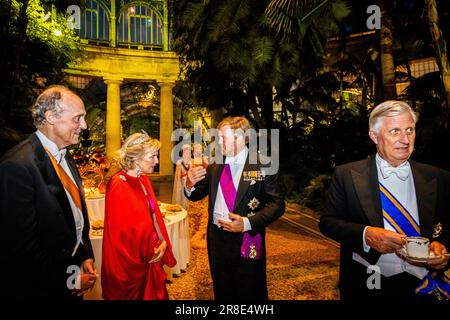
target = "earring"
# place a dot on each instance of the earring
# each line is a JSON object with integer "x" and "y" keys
{"x": 138, "y": 170}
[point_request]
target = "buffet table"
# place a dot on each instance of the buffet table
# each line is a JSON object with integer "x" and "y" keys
{"x": 177, "y": 226}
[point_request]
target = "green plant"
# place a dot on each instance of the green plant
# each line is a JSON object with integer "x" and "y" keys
{"x": 314, "y": 195}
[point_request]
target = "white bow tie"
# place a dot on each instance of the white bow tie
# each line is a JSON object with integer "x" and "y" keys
{"x": 401, "y": 172}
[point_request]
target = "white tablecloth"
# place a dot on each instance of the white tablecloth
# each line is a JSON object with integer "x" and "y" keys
{"x": 177, "y": 228}
{"x": 96, "y": 208}
{"x": 178, "y": 231}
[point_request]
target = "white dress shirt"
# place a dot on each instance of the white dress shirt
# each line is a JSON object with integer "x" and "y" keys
{"x": 404, "y": 191}
{"x": 220, "y": 207}
{"x": 59, "y": 156}
{"x": 220, "y": 210}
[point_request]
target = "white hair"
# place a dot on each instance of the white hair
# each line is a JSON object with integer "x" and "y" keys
{"x": 390, "y": 108}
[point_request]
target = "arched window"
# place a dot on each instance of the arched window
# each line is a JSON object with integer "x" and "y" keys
{"x": 94, "y": 22}
{"x": 140, "y": 24}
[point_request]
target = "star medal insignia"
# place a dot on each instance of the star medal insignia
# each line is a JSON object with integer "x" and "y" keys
{"x": 253, "y": 204}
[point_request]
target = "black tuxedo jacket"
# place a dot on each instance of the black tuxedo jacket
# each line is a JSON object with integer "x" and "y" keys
{"x": 37, "y": 226}
{"x": 266, "y": 191}
{"x": 354, "y": 203}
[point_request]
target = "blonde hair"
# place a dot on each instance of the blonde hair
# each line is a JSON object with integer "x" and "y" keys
{"x": 390, "y": 108}
{"x": 239, "y": 125}
{"x": 235, "y": 123}
{"x": 135, "y": 147}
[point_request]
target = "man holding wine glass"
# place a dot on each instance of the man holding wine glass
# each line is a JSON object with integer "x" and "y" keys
{"x": 239, "y": 211}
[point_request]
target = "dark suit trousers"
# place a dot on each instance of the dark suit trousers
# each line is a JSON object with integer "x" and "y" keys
{"x": 234, "y": 278}
{"x": 399, "y": 287}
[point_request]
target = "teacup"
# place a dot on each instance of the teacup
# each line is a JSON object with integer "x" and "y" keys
{"x": 417, "y": 247}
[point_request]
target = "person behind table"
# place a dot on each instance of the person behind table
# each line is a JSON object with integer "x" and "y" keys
{"x": 375, "y": 203}
{"x": 239, "y": 210}
{"x": 179, "y": 179}
{"x": 45, "y": 227}
{"x": 135, "y": 240}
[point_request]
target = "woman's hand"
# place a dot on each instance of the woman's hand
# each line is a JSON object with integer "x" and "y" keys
{"x": 159, "y": 252}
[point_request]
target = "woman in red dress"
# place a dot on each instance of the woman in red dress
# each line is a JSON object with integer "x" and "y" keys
{"x": 135, "y": 240}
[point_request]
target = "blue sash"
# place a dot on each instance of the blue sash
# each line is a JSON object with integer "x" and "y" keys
{"x": 397, "y": 215}
{"x": 437, "y": 283}
{"x": 401, "y": 220}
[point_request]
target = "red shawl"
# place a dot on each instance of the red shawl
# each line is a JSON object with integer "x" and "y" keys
{"x": 129, "y": 242}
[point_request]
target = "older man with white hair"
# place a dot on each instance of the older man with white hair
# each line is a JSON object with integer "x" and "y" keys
{"x": 44, "y": 242}
{"x": 376, "y": 203}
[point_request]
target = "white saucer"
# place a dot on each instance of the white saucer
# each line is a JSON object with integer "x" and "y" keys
{"x": 404, "y": 255}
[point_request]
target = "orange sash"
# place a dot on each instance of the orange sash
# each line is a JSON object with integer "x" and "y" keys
{"x": 66, "y": 181}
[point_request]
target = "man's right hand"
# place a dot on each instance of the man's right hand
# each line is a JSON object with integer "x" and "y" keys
{"x": 384, "y": 241}
{"x": 87, "y": 281}
{"x": 194, "y": 175}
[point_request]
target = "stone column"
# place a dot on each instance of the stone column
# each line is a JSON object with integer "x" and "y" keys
{"x": 165, "y": 31}
{"x": 113, "y": 26}
{"x": 113, "y": 128}
{"x": 166, "y": 128}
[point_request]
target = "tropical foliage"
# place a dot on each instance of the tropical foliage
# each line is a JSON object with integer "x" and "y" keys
{"x": 36, "y": 46}
{"x": 235, "y": 58}
{"x": 251, "y": 56}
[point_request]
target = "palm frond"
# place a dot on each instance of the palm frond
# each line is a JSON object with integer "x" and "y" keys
{"x": 263, "y": 50}
{"x": 290, "y": 18}
{"x": 227, "y": 18}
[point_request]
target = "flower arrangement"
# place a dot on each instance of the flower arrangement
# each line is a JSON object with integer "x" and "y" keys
{"x": 100, "y": 167}
{"x": 94, "y": 168}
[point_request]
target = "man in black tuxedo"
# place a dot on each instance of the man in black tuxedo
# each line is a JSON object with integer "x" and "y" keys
{"x": 243, "y": 200}
{"x": 45, "y": 247}
{"x": 375, "y": 203}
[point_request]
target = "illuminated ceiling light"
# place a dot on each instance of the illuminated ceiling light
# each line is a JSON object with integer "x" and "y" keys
{"x": 57, "y": 32}
{"x": 132, "y": 10}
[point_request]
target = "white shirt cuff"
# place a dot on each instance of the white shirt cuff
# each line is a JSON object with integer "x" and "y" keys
{"x": 247, "y": 225}
{"x": 188, "y": 192}
{"x": 365, "y": 246}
